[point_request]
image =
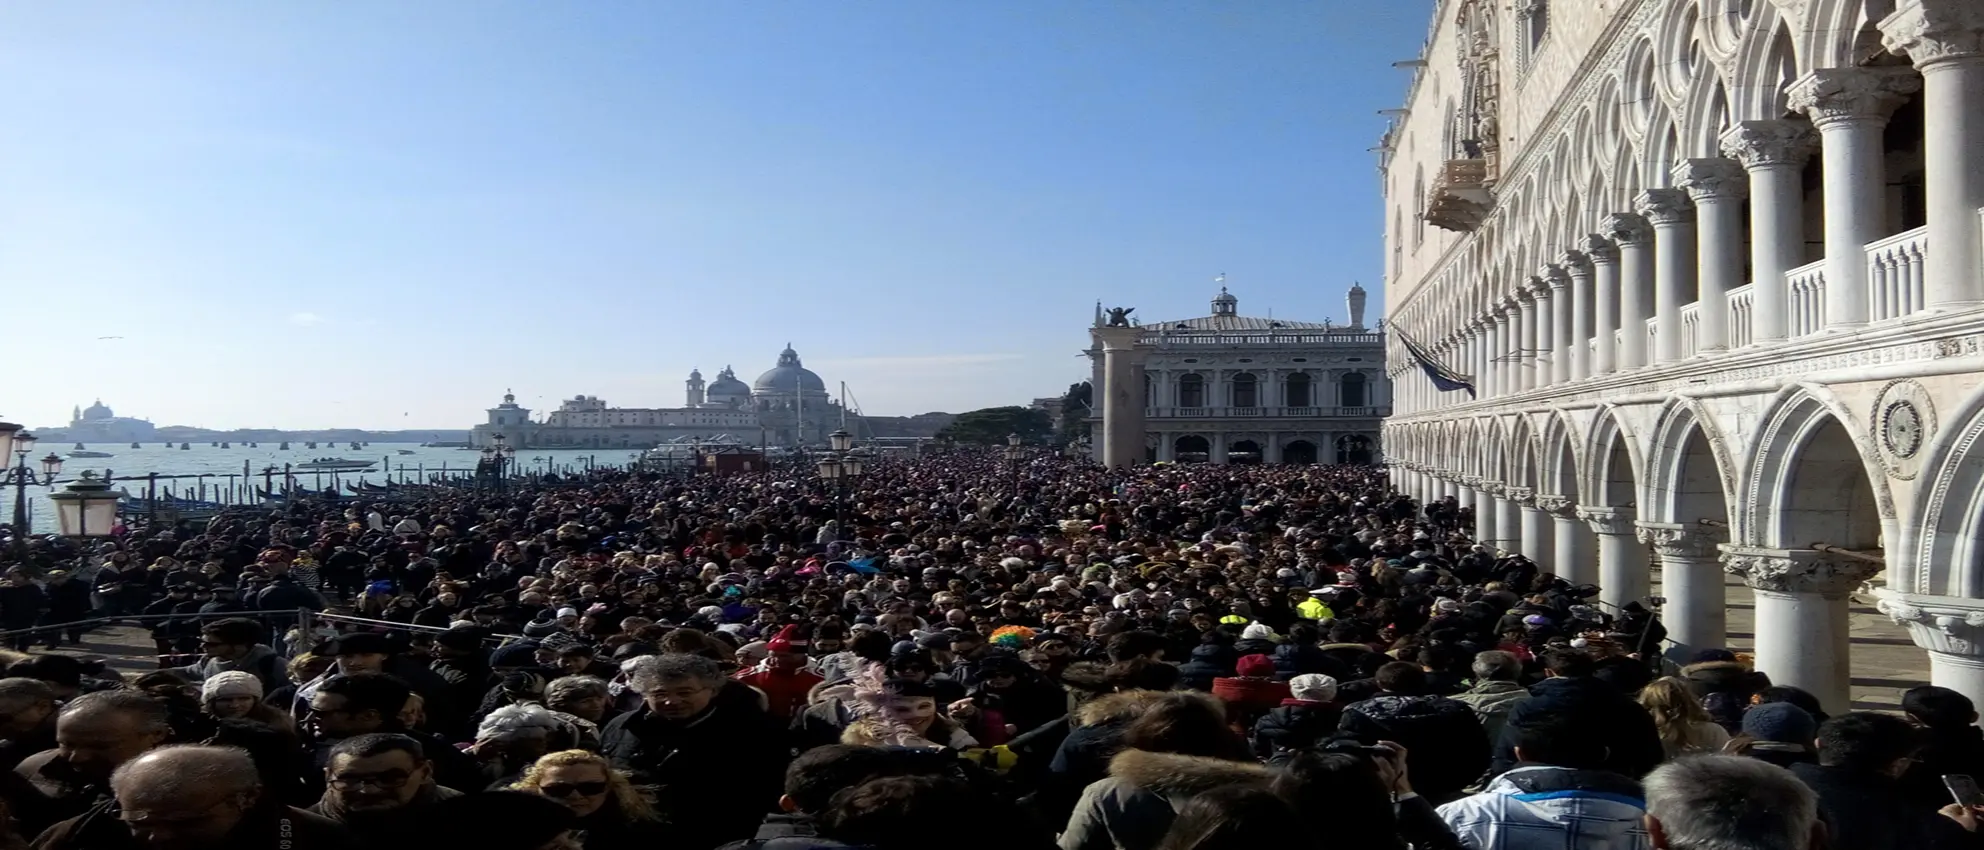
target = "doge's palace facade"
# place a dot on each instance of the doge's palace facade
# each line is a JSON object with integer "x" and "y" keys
{"x": 1716, "y": 268}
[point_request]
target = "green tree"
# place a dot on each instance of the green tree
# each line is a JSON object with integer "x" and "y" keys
{"x": 991, "y": 426}
{"x": 1075, "y": 407}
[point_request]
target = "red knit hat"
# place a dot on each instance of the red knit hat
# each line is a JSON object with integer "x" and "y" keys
{"x": 791, "y": 639}
{"x": 1255, "y": 666}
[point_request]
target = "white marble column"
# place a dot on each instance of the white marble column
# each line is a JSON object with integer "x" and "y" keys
{"x": 1471, "y": 355}
{"x": 1673, "y": 218}
{"x": 1575, "y": 547}
{"x": 1634, "y": 237}
{"x": 1463, "y": 496}
{"x": 1950, "y": 628}
{"x": 1718, "y": 187}
{"x": 1500, "y": 362}
{"x": 1539, "y": 537}
{"x": 1801, "y": 616}
{"x": 1775, "y": 153}
{"x": 1122, "y": 397}
{"x": 1850, "y": 106}
{"x": 1945, "y": 38}
{"x": 1508, "y": 520}
{"x": 1577, "y": 360}
{"x": 1604, "y": 258}
{"x": 1484, "y": 512}
{"x": 1558, "y": 283}
{"x": 1528, "y": 363}
{"x": 1696, "y": 615}
{"x": 1623, "y": 572}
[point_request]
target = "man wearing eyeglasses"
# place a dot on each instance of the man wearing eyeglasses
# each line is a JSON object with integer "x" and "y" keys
{"x": 377, "y": 786}
{"x": 187, "y": 797}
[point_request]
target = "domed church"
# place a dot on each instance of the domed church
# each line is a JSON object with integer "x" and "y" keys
{"x": 787, "y": 405}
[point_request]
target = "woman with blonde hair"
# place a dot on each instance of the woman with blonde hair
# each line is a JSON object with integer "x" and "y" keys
{"x": 1684, "y": 725}
{"x": 613, "y": 814}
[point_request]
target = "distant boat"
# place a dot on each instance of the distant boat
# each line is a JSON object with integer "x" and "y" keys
{"x": 80, "y": 446}
{"x": 406, "y": 451}
{"x": 310, "y": 445}
{"x": 335, "y": 463}
{"x": 225, "y": 446}
{"x": 184, "y": 447}
{"x": 136, "y": 446}
{"x": 355, "y": 446}
{"x": 91, "y": 454}
{"x": 284, "y": 446}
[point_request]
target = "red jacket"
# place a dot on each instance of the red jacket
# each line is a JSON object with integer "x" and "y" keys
{"x": 785, "y": 690}
{"x": 1251, "y": 694}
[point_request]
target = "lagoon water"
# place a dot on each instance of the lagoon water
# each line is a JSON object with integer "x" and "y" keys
{"x": 217, "y": 464}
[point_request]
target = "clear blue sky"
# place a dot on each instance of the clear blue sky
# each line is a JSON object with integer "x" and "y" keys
{"x": 381, "y": 214}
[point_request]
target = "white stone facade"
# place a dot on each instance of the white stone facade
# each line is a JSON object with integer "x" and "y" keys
{"x": 1227, "y": 388}
{"x": 1717, "y": 268}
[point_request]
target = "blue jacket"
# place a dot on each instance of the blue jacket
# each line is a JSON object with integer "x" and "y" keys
{"x": 1537, "y": 807}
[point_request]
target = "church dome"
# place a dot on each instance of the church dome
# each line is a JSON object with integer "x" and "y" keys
{"x": 789, "y": 377}
{"x": 97, "y": 411}
{"x": 726, "y": 385}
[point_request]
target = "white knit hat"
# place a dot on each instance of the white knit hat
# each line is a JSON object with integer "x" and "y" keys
{"x": 1315, "y": 687}
{"x": 1257, "y": 631}
{"x": 232, "y": 683}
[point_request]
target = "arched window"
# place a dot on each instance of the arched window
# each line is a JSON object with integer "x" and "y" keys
{"x": 1192, "y": 391}
{"x": 1419, "y": 197}
{"x": 1350, "y": 390}
{"x": 1298, "y": 390}
{"x": 1246, "y": 391}
{"x": 1534, "y": 20}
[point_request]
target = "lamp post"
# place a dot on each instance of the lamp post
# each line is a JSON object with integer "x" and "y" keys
{"x": 15, "y": 444}
{"x": 88, "y": 508}
{"x": 840, "y": 466}
{"x": 1014, "y": 453}
{"x": 495, "y": 458}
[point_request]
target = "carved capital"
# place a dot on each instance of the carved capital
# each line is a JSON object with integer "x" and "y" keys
{"x": 1614, "y": 521}
{"x": 1627, "y": 229}
{"x": 1560, "y": 506}
{"x": 1937, "y": 623}
{"x": 1522, "y": 496}
{"x": 1670, "y": 540}
{"x": 1665, "y": 206}
{"x": 1510, "y": 306}
{"x": 1849, "y": 95}
{"x": 1527, "y": 291}
{"x": 1472, "y": 482}
{"x": 1575, "y": 264}
{"x": 1797, "y": 570}
{"x": 1554, "y": 276}
{"x": 1600, "y": 249}
{"x": 1495, "y": 488}
{"x": 1712, "y": 179}
{"x": 1770, "y": 144}
{"x": 1932, "y": 32}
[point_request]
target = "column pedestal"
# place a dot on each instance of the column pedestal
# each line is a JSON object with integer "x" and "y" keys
{"x": 1634, "y": 238}
{"x": 1604, "y": 258}
{"x": 1801, "y": 617}
{"x": 1674, "y": 257}
{"x": 1539, "y": 539}
{"x": 1775, "y": 152}
{"x": 1122, "y": 396}
{"x": 1484, "y": 512}
{"x": 1508, "y": 525}
{"x": 1623, "y": 573}
{"x": 1696, "y": 614}
{"x": 1717, "y": 187}
{"x": 1952, "y": 630}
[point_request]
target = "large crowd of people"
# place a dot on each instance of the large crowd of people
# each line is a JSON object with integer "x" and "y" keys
{"x": 1171, "y": 657}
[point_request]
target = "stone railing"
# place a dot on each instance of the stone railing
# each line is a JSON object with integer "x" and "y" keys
{"x": 1740, "y": 333}
{"x": 1894, "y": 274}
{"x": 1807, "y": 285}
{"x": 1691, "y": 322}
{"x": 1169, "y": 339}
{"x": 1652, "y": 334}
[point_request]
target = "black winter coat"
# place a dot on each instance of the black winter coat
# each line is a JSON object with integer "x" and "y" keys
{"x": 1295, "y": 659}
{"x": 1445, "y": 746}
{"x": 1208, "y": 662}
{"x": 717, "y": 774}
{"x": 1872, "y": 812}
{"x": 1295, "y": 725}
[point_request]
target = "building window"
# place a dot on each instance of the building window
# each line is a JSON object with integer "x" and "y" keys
{"x": 1246, "y": 391}
{"x": 1298, "y": 390}
{"x": 1192, "y": 391}
{"x": 1350, "y": 390}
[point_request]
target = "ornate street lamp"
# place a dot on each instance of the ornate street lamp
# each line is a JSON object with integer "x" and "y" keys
{"x": 88, "y": 508}
{"x": 840, "y": 466}
{"x": 19, "y": 443}
{"x": 7, "y": 432}
{"x": 1014, "y": 453}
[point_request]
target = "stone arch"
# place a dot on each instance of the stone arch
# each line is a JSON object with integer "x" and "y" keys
{"x": 1689, "y": 478}
{"x": 1675, "y": 57}
{"x": 1612, "y": 463}
{"x": 1560, "y": 457}
{"x": 1764, "y": 64}
{"x": 1707, "y": 113}
{"x": 1945, "y": 531}
{"x": 1521, "y": 468}
{"x": 1833, "y": 30}
{"x": 1636, "y": 89}
{"x": 1495, "y": 451}
{"x": 1811, "y": 466}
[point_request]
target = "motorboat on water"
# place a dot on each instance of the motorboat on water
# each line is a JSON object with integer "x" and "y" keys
{"x": 336, "y": 463}
{"x": 90, "y": 454}
{"x": 406, "y": 451}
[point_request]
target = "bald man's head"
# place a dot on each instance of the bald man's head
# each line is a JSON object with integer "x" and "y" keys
{"x": 186, "y": 796}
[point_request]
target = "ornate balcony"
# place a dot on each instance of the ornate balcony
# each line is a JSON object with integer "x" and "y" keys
{"x": 1460, "y": 199}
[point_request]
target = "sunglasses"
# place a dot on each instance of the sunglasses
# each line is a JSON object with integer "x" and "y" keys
{"x": 567, "y": 789}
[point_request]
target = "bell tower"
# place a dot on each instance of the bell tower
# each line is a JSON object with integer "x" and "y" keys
{"x": 696, "y": 388}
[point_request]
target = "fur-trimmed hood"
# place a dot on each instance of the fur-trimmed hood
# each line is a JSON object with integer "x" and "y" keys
{"x": 1169, "y": 775}
{"x": 1118, "y": 707}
